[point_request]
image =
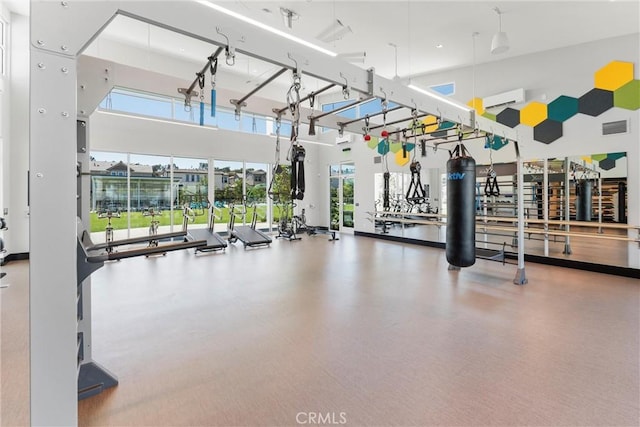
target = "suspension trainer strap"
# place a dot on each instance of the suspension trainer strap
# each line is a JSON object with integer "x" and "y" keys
{"x": 213, "y": 69}
{"x": 297, "y": 172}
{"x": 201, "y": 85}
{"x": 297, "y": 151}
{"x": 415, "y": 192}
{"x": 491, "y": 187}
{"x": 385, "y": 193}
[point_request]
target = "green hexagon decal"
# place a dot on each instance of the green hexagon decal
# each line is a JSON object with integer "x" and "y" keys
{"x": 628, "y": 96}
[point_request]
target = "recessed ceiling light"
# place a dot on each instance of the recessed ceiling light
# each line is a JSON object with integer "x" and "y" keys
{"x": 181, "y": 49}
{"x": 439, "y": 45}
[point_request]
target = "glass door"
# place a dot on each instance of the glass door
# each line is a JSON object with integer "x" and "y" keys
{"x": 334, "y": 203}
{"x": 341, "y": 197}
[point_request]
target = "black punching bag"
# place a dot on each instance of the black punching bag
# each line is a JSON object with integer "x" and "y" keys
{"x": 583, "y": 200}
{"x": 461, "y": 209}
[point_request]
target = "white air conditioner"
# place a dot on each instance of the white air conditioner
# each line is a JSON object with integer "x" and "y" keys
{"x": 506, "y": 98}
{"x": 344, "y": 139}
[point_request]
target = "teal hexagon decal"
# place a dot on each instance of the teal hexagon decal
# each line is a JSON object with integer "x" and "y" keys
{"x": 562, "y": 108}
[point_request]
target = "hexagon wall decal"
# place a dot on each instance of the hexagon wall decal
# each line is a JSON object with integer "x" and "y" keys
{"x": 607, "y": 164}
{"x": 395, "y": 146}
{"x": 614, "y": 75}
{"x": 373, "y": 142}
{"x": 509, "y": 117}
{"x": 547, "y": 131}
{"x": 477, "y": 104}
{"x": 431, "y": 123}
{"x": 628, "y": 96}
{"x": 616, "y": 156}
{"x": 383, "y": 147}
{"x": 599, "y": 157}
{"x": 496, "y": 143}
{"x": 401, "y": 159}
{"x": 410, "y": 147}
{"x": 446, "y": 125}
{"x": 488, "y": 115}
{"x": 562, "y": 108}
{"x": 595, "y": 102}
{"x": 534, "y": 113}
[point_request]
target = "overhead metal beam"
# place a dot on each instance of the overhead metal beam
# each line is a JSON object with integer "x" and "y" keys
{"x": 239, "y": 103}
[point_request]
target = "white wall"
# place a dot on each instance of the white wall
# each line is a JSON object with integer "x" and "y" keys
{"x": 15, "y": 118}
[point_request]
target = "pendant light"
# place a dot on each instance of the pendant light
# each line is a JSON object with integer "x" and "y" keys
{"x": 500, "y": 42}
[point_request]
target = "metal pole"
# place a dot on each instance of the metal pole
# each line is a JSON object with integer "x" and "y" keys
{"x": 599, "y": 203}
{"x": 370, "y": 116}
{"x": 402, "y": 120}
{"x": 567, "y": 211}
{"x": 318, "y": 92}
{"x": 341, "y": 109}
{"x": 545, "y": 204}
{"x": 260, "y": 86}
{"x": 521, "y": 278}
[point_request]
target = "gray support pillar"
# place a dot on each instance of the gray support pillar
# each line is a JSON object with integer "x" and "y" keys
{"x": 567, "y": 207}
{"x": 521, "y": 278}
{"x": 52, "y": 277}
{"x": 545, "y": 205}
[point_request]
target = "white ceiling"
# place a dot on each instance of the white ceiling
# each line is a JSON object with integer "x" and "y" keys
{"x": 416, "y": 27}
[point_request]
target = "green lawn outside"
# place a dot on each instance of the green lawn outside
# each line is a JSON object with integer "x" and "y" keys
{"x": 140, "y": 221}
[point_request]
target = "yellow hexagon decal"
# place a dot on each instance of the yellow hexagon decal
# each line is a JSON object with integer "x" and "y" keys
{"x": 614, "y": 75}
{"x": 478, "y": 105}
{"x": 431, "y": 124}
{"x": 402, "y": 160}
{"x": 533, "y": 114}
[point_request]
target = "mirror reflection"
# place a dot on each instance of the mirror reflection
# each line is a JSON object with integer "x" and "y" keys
{"x": 581, "y": 214}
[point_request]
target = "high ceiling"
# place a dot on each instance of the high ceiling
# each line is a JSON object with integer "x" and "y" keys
{"x": 415, "y": 27}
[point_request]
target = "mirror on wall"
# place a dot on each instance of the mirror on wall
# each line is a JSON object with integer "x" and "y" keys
{"x": 595, "y": 203}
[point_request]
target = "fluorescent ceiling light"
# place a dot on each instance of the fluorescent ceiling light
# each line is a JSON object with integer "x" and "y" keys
{"x": 152, "y": 119}
{"x": 334, "y": 32}
{"x": 439, "y": 98}
{"x": 265, "y": 27}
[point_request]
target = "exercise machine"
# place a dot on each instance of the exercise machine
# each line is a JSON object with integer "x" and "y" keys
{"x": 108, "y": 230}
{"x": 247, "y": 234}
{"x": 93, "y": 378}
{"x": 300, "y": 224}
{"x": 215, "y": 242}
{"x": 287, "y": 227}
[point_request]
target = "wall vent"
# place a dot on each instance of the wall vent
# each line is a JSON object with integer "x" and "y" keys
{"x": 377, "y": 160}
{"x": 612, "y": 128}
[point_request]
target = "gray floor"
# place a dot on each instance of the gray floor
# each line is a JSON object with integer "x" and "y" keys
{"x": 378, "y": 332}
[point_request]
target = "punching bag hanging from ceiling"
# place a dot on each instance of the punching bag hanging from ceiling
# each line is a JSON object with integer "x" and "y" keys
{"x": 461, "y": 214}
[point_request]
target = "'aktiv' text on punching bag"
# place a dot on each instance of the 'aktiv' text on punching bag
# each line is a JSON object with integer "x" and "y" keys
{"x": 461, "y": 213}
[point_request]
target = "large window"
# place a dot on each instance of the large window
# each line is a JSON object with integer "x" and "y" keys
{"x": 129, "y": 191}
{"x": 166, "y": 107}
{"x": 109, "y": 194}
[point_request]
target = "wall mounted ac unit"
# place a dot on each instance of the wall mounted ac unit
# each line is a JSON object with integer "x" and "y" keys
{"x": 506, "y": 98}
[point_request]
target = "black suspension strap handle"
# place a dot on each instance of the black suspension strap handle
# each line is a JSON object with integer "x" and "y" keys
{"x": 418, "y": 195}
{"x": 491, "y": 187}
{"x": 385, "y": 192}
{"x": 297, "y": 172}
